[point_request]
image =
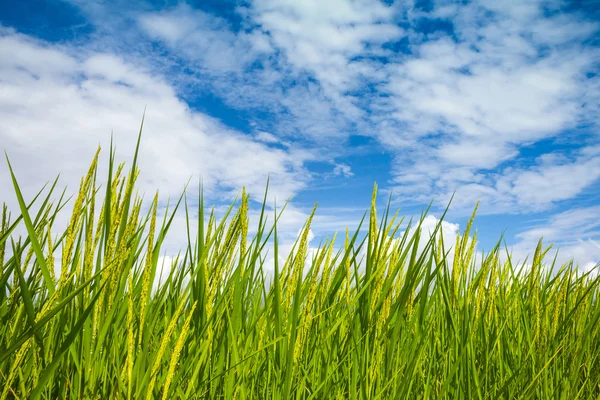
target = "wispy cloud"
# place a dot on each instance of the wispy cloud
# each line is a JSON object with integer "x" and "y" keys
{"x": 575, "y": 232}
{"x": 467, "y": 102}
{"x": 453, "y": 105}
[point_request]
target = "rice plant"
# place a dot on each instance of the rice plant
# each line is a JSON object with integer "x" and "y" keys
{"x": 386, "y": 315}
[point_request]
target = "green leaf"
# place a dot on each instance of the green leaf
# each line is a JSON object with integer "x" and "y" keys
{"x": 31, "y": 231}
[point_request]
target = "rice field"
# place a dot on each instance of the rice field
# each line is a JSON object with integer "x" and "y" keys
{"x": 386, "y": 315}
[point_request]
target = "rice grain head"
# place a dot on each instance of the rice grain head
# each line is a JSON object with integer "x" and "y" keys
{"x": 298, "y": 267}
{"x": 177, "y": 350}
{"x": 162, "y": 348}
{"x": 244, "y": 223}
{"x": 148, "y": 266}
{"x": 14, "y": 370}
{"x": 4, "y": 224}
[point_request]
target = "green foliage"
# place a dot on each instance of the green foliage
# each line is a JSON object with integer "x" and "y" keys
{"x": 405, "y": 322}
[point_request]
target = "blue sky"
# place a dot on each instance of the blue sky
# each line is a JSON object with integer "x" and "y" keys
{"x": 495, "y": 101}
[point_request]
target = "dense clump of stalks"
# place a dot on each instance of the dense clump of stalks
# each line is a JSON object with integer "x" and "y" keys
{"x": 406, "y": 321}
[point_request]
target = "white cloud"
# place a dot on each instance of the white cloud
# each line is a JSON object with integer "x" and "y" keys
{"x": 246, "y": 69}
{"x": 576, "y": 234}
{"x": 554, "y": 177}
{"x": 344, "y": 170}
{"x": 322, "y": 38}
{"x": 448, "y": 231}
{"x": 478, "y": 96}
{"x": 58, "y": 103}
{"x": 509, "y": 79}
{"x": 548, "y": 184}
{"x": 266, "y": 137}
{"x": 206, "y": 38}
{"x": 478, "y": 155}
